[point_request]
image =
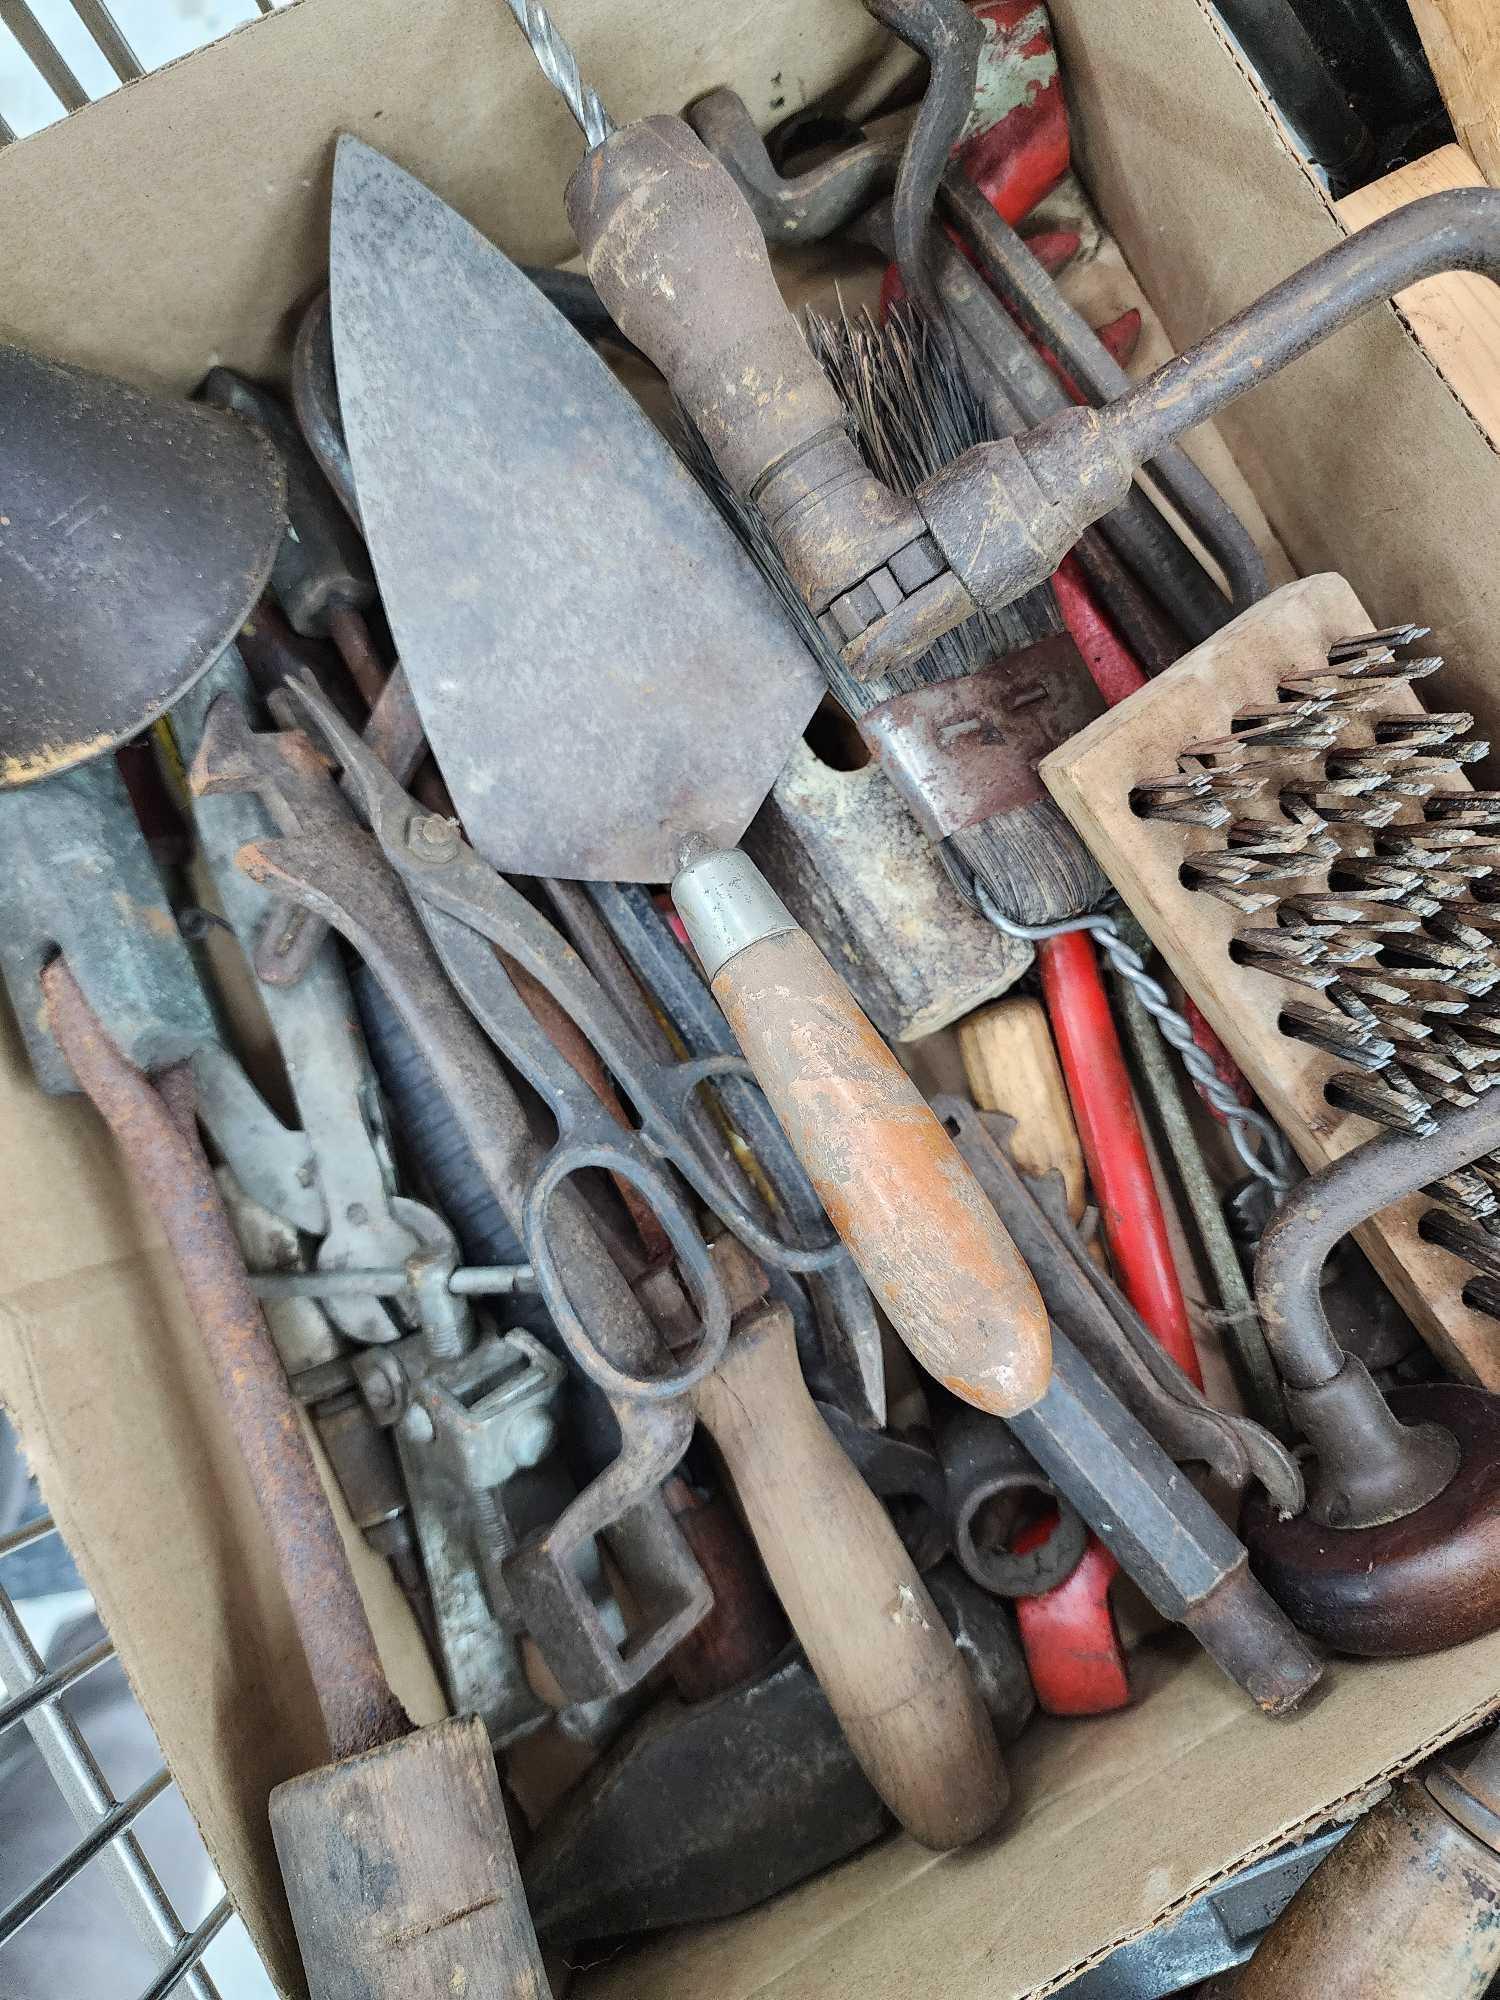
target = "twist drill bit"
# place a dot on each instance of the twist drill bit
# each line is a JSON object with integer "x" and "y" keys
{"x": 1377, "y": 882}
{"x": 1456, "y": 925}
{"x": 1402, "y": 773}
{"x": 1480, "y": 810}
{"x": 1340, "y": 912}
{"x": 1272, "y": 741}
{"x": 1465, "y": 1194}
{"x": 1469, "y": 1240}
{"x": 1430, "y": 730}
{"x": 1185, "y": 801}
{"x": 1382, "y": 641}
{"x": 1348, "y": 1041}
{"x": 1382, "y": 1099}
{"x": 1421, "y": 845}
{"x": 1314, "y": 978}
{"x": 1356, "y": 803}
{"x": 1479, "y": 1061}
{"x": 1392, "y": 1003}
{"x": 1482, "y": 1295}
{"x": 559, "y": 65}
{"x": 1343, "y": 949}
{"x": 1415, "y": 948}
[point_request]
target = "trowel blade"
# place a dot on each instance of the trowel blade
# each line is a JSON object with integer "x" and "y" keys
{"x": 599, "y": 667}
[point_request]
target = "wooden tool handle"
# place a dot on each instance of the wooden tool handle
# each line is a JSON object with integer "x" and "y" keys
{"x": 872, "y": 1634}
{"x": 930, "y": 1246}
{"x": 1010, "y": 1062}
{"x": 401, "y": 1875}
{"x": 679, "y": 260}
{"x": 1408, "y": 1903}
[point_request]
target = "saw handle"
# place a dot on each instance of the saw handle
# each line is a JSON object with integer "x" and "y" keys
{"x": 872, "y": 1635}
{"x": 927, "y": 1242}
{"x": 678, "y": 258}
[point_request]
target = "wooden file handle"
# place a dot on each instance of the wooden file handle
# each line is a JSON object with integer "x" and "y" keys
{"x": 871, "y": 1633}
{"x": 931, "y": 1248}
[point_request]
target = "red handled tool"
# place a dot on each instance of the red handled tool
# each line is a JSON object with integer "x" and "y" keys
{"x": 1073, "y": 1651}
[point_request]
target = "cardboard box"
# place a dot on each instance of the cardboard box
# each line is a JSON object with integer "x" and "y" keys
{"x": 181, "y": 221}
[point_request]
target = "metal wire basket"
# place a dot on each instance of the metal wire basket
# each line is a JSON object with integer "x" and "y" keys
{"x": 106, "y": 1888}
{"x": 58, "y": 55}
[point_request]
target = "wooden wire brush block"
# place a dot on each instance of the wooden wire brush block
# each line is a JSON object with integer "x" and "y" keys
{"x": 1295, "y": 831}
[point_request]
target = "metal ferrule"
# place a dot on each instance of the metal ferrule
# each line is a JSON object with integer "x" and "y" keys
{"x": 727, "y": 905}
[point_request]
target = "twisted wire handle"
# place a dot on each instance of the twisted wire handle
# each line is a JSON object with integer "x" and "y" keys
{"x": 559, "y": 65}
{"x": 1275, "y": 1167}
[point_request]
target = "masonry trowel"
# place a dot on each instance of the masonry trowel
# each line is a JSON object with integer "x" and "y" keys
{"x": 610, "y": 690}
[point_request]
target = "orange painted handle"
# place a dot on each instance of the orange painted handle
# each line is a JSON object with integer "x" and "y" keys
{"x": 931, "y": 1248}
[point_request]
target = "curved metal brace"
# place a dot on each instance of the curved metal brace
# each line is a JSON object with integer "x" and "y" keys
{"x": 802, "y": 208}
{"x": 952, "y": 39}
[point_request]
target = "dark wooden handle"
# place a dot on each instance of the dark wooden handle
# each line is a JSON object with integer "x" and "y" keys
{"x": 872, "y": 1634}
{"x": 930, "y": 1246}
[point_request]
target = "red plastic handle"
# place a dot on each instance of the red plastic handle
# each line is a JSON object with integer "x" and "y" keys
{"x": 1073, "y": 1651}
{"x": 1114, "y": 1147}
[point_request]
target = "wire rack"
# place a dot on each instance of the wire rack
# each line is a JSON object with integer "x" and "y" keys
{"x": 63, "y": 1777}
{"x": 55, "y": 57}
{"x": 58, "y": 55}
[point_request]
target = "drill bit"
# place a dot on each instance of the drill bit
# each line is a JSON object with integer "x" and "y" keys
{"x": 1482, "y": 1295}
{"x": 1466, "y": 1195}
{"x": 1335, "y": 911}
{"x": 1382, "y": 641}
{"x": 1429, "y": 730}
{"x": 559, "y": 65}
{"x": 1348, "y": 1041}
{"x": 1185, "y": 801}
{"x": 1266, "y": 742}
{"x": 1348, "y": 802}
{"x": 1383, "y": 1098}
{"x": 1480, "y": 810}
{"x": 1469, "y": 1240}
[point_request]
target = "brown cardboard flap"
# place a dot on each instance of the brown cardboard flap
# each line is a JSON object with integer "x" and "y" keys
{"x": 182, "y": 220}
{"x": 1115, "y": 1823}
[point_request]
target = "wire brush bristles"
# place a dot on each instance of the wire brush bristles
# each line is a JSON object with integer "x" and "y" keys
{"x": 910, "y": 411}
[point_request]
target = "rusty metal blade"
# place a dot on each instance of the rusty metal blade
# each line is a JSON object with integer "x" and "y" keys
{"x": 599, "y": 667}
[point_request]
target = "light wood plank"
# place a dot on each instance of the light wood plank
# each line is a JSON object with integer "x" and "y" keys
{"x": 1462, "y": 40}
{"x": 401, "y": 1874}
{"x": 1456, "y": 317}
{"x": 1011, "y": 1066}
